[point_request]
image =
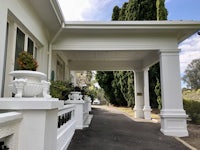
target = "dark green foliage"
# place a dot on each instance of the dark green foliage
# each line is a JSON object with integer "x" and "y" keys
{"x": 192, "y": 74}
{"x": 142, "y": 10}
{"x": 161, "y": 10}
{"x": 125, "y": 81}
{"x": 119, "y": 98}
{"x": 115, "y": 14}
{"x": 158, "y": 93}
{"x": 192, "y": 108}
{"x": 118, "y": 87}
{"x": 105, "y": 79}
{"x": 147, "y": 10}
{"x": 60, "y": 89}
{"x": 154, "y": 86}
{"x": 123, "y": 12}
{"x": 132, "y": 10}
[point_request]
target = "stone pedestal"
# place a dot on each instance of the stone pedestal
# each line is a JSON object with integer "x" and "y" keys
{"x": 79, "y": 106}
{"x": 38, "y": 127}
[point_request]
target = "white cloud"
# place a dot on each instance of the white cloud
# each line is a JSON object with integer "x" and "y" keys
{"x": 73, "y": 9}
{"x": 167, "y": 1}
{"x": 82, "y": 10}
{"x": 190, "y": 50}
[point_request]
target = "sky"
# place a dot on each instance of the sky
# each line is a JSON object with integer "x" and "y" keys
{"x": 101, "y": 10}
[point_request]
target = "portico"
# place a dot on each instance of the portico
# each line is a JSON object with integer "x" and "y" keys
{"x": 134, "y": 46}
{"x": 131, "y": 45}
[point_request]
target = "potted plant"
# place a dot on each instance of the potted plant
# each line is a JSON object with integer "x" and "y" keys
{"x": 26, "y": 61}
{"x": 76, "y": 94}
{"x": 28, "y": 82}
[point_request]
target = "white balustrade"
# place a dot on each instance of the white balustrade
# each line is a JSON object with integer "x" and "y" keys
{"x": 46, "y": 121}
{"x": 9, "y": 128}
{"x": 66, "y": 126}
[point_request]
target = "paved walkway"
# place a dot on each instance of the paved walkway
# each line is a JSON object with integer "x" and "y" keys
{"x": 111, "y": 130}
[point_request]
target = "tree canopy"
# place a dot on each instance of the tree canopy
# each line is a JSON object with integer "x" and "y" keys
{"x": 192, "y": 74}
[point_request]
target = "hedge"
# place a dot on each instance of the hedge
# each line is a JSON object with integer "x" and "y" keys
{"x": 192, "y": 109}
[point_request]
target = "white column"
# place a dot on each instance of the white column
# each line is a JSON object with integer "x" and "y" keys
{"x": 73, "y": 79}
{"x": 173, "y": 117}
{"x": 139, "y": 98}
{"x": 3, "y": 23}
{"x": 147, "y": 108}
{"x": 10, "y": 58}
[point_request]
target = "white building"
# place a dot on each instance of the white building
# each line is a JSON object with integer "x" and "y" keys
{"x": 38, "y": 27}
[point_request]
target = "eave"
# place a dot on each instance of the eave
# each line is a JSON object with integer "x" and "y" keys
{"x": 180, "y": 29}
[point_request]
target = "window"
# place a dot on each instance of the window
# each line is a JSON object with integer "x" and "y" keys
{"x": 24, "y": 43}
{"x": 60, "y": 69}
{"x": 30, "y": 46}
{"x": 19, "y": 46}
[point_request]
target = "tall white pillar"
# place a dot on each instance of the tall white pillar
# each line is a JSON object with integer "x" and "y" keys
{"x": 147, "y": 108}
{"x": 10, "y": 60}
{"x": 3, "y": 23}
{"x": 73, "y": 77}
{"x": 139, "y": 93}
{"x": 173, "y": 117}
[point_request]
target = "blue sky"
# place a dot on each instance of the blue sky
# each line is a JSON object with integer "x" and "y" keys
{"x": 101, "y": 10}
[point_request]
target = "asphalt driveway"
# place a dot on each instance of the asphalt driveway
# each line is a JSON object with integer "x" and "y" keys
{"x": 111, "y": 130}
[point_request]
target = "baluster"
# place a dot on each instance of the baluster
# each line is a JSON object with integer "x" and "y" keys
{"x": 2, "y": 146}
{"x": 58, "y": 123}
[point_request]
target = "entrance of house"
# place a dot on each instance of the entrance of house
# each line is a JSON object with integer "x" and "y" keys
{"x": 131, "y": 46}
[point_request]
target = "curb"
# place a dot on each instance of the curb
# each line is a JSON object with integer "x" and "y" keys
{"x": 186, "y": 144}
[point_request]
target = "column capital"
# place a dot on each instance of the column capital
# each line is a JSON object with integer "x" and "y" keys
{"x": 169, "y": 51}
{"x": 138, "y": 70}
{"x": 146, "y": 69}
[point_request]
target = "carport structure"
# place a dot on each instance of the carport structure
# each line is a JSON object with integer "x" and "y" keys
{"x": 132, "y": 45}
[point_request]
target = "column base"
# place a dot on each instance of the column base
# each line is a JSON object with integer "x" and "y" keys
{"x": 147, "y": 113}
{"x": 138, "y": 112}
{"x": 173, "y": 123}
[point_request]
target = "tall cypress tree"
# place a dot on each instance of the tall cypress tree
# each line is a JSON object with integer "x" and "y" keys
{"x": 123, "y": 11}
{"x": 132, "y": 10}
{"x": 115, "y": 15}
{"x": 148, "y": 10}
{"x": 161, "y": 11}
{"x": 124, "y": 80}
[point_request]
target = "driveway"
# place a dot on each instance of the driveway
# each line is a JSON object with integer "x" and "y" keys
{"x": 111, "y": 130}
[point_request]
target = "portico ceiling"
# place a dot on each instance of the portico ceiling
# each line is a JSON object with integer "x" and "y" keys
{"x": 119, "y": 45}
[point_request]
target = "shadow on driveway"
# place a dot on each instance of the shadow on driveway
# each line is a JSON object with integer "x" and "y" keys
{"x": 111, "y": 130}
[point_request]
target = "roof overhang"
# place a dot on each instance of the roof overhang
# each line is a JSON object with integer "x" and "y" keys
{"x": 180, "y": 29}
{"x": 50, "y": 13}
{"x": 123, "y": 45}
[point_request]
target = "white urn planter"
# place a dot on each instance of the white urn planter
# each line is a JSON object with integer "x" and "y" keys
{"x": 75, "y": 96}
{"x": 29, "y": 84}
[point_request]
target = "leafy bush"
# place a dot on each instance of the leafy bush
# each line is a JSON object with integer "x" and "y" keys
{"x": 60, "y": 89}
{"x": 26, "y": 61}
{"x": 193, "y": 110}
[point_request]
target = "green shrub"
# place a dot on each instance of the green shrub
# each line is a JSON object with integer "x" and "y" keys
{"x": 60, "y": 89}
{"x": 192, "y": 108}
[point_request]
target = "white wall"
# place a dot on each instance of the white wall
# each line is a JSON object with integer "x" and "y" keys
{"x": 23, "y": 16}
{"x": 61, "y": 55}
